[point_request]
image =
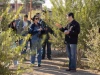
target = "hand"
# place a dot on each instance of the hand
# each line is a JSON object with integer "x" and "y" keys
{"x": 58, "y": 25}
{"x": 50, "y": 38}
{"x": 25, "y": 28}
{"x": 40, "y": 29}
{"x": 46, "y": 28}
{"x": 66, "y": 32}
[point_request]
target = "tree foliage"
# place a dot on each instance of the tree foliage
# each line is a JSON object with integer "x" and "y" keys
{"x": 9, "y": 50}
{"x": 84, "y": 10}
{"x": 93, "y": 44}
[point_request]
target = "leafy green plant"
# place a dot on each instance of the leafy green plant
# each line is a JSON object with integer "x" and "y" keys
{"x": 83, "y": 10}
{"x": 93, "y": 47}
{"x": 9, "y": 51}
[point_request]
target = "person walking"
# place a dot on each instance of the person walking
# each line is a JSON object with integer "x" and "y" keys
{"x": 23, "y": 27}
{"x": 36, "y": 31}
{"x": 71, "y": 32}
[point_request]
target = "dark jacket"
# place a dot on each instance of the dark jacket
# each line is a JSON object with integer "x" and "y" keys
{"x": 72, "y": 37}
{"x": 48, "y": 31}
{"x": 43, "y": 24}
{"x": 33, "y": 30}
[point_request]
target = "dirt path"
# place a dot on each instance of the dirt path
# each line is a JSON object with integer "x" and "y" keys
{"x": 54, "y": 67}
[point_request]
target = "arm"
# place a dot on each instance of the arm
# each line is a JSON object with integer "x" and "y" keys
{"x": 50, "y": 30}
{"x": 76, "y": 30}
{"x": 20, "y": 25}
{"x": 32, "y": 31}
{"x": 43, "y": 26}
{"x": 61, "y": 28}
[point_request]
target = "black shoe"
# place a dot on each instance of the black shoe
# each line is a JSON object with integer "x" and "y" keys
{"x": 39, "y": 65}
{"x": 73, "y": 70}
{"x": 68, "y": 69}
{"x": 49, "y": 58}
{"x": 43, "y": 58}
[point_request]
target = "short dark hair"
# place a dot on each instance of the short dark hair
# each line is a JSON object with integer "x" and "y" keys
{"x": 37, "y": 13}
{"x": 26, "y": 16}
{"x": 71, "y": 14}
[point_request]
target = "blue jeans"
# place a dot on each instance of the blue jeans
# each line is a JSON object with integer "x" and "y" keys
{"x": 36, "y": 50}
{"x": 72, "y": 55}
{"x": 15, "y": 62}
{"x": 26, "y": 46}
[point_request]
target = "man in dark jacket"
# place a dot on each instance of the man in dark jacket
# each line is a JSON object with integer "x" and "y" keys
{"x": 46, "y": 41}
{"x": 71, "y": 32}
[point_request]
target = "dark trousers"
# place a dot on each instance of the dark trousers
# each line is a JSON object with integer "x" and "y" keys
{"x": 48, "y": 45}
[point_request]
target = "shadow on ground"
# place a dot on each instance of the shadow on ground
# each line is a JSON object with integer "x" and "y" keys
{"x": 54, "y": 67}
{"x": 52, "y": 70}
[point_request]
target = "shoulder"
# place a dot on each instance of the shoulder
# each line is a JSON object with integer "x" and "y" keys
{"x": 32, "y": 25}
{"x": 39, "y": 24}
{"x": 41, "y": 20}
{"x": 21, "y": 21}
{"x": 75, "y": 23}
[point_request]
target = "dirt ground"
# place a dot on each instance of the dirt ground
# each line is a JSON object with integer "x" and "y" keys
{"x": 54, "y": 67}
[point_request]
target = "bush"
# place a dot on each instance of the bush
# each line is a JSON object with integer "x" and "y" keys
{"x": 93, "y": 47}
{"x": 83, "y": 10}
{"x": 8, "y": 51}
